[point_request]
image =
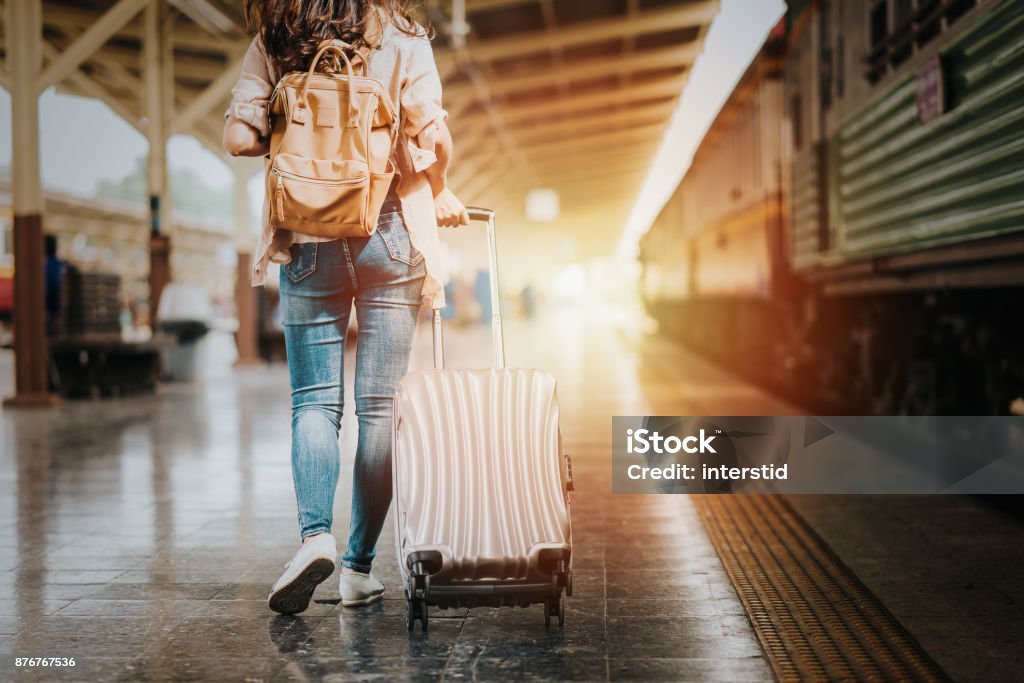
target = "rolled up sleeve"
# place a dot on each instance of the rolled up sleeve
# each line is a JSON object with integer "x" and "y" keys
{"x": 421, "y": 103}
{"x": 250, "y": 97}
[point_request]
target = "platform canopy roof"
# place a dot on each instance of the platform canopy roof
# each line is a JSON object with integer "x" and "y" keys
{"x": 572, "y": 95}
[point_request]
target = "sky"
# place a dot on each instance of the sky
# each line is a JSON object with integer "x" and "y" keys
{"x": 83, "y": 141}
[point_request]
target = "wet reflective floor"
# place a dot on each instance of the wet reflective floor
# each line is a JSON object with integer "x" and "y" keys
{"x": 141, "y": 536}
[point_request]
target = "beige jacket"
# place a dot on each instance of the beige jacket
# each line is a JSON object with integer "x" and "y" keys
{"x": 405, "y": 65}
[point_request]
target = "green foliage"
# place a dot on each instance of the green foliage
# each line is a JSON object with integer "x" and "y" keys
{"x": 190, "y": 194}
{"x": 131, "y": 187}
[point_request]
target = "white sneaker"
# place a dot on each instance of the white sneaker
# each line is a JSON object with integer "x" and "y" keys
{"x": 310, "y": 567}
{"x": 359, "y": 589}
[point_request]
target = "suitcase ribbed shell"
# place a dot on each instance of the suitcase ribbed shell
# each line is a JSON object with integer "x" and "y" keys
{"x": 479, "y": 473}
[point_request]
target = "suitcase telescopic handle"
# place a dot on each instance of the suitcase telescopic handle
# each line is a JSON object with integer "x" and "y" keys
{"x": 486, "y": 216}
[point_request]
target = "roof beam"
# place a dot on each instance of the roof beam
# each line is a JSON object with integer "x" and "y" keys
{"x": 116, "y": 75}
{"x": 88, "y": 87}
{"x": 470, "y": 135}
{"x": 513, "y": 112}
{"x": 591, "y": 159}
{"x": 608, "y": 139}
{"x": 562, "y": 178}
{"x": 589, "y": 151}
{"x": 481, "y": 89}
{"x": 596, "y": 173}
{"x": 94, "y": 37}
{"x": 548, "y": 151}
{"x": 629, "y": 44}
{"x": 186, "y": 66}
{"x": 597, "y": 156}
{"x": 482, "y": 182}
{"x": 573, "y": 153}
{"x": 69, "y": 19}
{"x": 681, "y": 56}
{"x": 210, "y": 97}
{"x": 488, "y": 5}
{"x": 606, "y": 122}
{"x": 655, "y": 21}
{"x": 581, "y": 199}
{"x": 207, "y": 16}
{"x": 547, "y": 8}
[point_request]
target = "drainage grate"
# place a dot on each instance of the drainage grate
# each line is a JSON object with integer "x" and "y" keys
{"x": 815, "y": 620}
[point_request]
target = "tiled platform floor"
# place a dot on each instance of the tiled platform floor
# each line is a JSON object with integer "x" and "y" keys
{"x": 141, "y": 537}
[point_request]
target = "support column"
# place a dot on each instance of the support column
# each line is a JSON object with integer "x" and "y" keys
{"x": 246, "y": 302}
{"x": 157, "y": 94}
{"x": 24, "y": 34}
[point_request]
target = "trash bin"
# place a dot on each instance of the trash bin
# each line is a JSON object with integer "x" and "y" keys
{"x": 184, "y": 315}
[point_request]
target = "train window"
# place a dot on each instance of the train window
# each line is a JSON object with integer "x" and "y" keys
{"x": 840, "y": 65}
{"x": 825, "y": 55}
{"x": 6, "y": 242}
{"x": 878, "y": 30}
{"x": 899, "y": 28}
{"x": 901, "y": 34}
{"x": 879, "y": 26}
{"x": 957, "y": 8}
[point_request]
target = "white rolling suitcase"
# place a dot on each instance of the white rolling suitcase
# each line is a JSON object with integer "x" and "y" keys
{"x": 481, "y": 486}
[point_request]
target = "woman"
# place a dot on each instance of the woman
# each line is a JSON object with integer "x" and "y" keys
{"x": 388, "y": 275}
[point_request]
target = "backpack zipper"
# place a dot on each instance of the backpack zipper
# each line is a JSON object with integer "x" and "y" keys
{"x": 317, "y": 181}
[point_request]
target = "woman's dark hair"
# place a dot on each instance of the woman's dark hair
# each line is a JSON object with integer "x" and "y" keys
{"x": 291, "y": 30}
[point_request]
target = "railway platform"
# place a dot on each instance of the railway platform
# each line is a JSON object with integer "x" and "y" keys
{"x": 140, "y": 536}
{"x": 766, "y": 210}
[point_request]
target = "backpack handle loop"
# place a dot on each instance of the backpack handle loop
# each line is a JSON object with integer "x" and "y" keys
{"x": 338, "y": 47}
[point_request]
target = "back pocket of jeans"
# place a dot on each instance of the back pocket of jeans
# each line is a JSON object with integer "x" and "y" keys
{"x": 303, "y": 261}
{"x": 391, "y": 228}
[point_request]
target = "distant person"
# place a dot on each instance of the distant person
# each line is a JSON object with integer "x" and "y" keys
{"x": 451, "y": 309}
{"x": 54, "y": 273}
{"x": 388, "y": 274}
{"x": 528, "y": 300}
{"x": 482, "y": 290}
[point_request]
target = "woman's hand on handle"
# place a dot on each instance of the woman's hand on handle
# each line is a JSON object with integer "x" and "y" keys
{"x": 451, "y": 213}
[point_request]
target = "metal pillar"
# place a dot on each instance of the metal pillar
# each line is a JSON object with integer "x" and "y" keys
{"x": 24, "y": 33}
{"x": 158, "y": 93}
{"x": 246, "y": 302}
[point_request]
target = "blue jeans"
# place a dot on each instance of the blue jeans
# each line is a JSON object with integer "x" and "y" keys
{"x": 383, "y": 273}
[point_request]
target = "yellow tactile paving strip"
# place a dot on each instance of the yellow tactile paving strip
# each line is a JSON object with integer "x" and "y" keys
{"x": 814, "y": 619}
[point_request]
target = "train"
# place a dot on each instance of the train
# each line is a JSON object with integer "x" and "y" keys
{"x": 850, "y": 232}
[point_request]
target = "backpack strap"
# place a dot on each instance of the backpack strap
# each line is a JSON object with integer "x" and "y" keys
{"x": 340, "y": 48}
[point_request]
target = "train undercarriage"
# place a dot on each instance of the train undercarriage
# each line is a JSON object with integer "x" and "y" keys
{"x": 954, "y": 352}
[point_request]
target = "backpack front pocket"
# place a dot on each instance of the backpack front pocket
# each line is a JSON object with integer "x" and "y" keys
{"x": 318, "y": 196}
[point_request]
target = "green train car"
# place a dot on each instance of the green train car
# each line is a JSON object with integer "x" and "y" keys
{"x": 928, "y": 152}
{"x": 895, "y": 260}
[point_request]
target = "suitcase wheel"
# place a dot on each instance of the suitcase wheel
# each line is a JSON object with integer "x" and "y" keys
{"x": 416, "y": 609}
{"x": 410, "y": 614}
{"x": 554, "y": 607}
{"x": 416, "y": 602}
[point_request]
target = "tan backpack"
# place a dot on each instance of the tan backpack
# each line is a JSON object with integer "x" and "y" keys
{"x": 331, "y": 143}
